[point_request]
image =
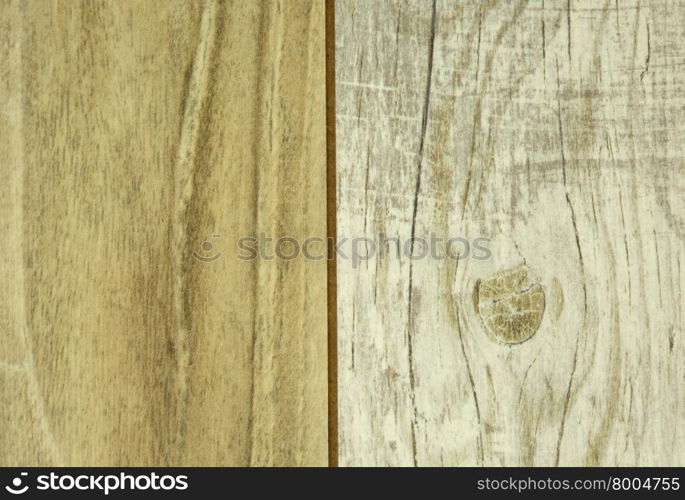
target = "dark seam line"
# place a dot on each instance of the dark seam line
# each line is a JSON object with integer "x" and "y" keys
{"x": 331, "y": 230}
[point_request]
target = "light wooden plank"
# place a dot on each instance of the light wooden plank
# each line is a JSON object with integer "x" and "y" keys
{"x": 556, "y": 130}
{"x": 134, "y": 131}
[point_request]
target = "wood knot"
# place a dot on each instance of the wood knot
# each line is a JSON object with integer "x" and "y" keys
{"x": 510, "y": 304}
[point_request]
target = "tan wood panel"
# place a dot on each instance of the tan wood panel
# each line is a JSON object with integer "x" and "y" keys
{"x": 132, "y": 132}
{"x": 555, "y": 129}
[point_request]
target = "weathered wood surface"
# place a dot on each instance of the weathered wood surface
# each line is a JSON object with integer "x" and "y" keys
{"x": 131, "y": 133}
{"x": 557, "y": 130}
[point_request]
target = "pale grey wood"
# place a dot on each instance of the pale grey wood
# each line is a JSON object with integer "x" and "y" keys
{"x": 555, "y": 129}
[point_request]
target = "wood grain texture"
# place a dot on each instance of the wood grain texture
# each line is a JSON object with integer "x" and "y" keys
{"x": 132, "y": 131}
{"x": 556, "y": 129}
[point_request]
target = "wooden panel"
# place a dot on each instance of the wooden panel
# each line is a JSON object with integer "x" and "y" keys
{"x": 134, "y": 131}
{"x": 555, "y": 129}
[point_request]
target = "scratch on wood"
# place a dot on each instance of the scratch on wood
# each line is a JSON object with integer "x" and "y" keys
{"x": 567, "y": 399}
{"x": 568, "y": 27}
{"x": 649, "y": 53}
{"x": 417, "y": 191}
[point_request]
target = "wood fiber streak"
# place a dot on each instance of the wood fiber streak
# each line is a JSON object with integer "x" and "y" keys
{"x": 132, "y": 132}
{"x": 556, "y": 130}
